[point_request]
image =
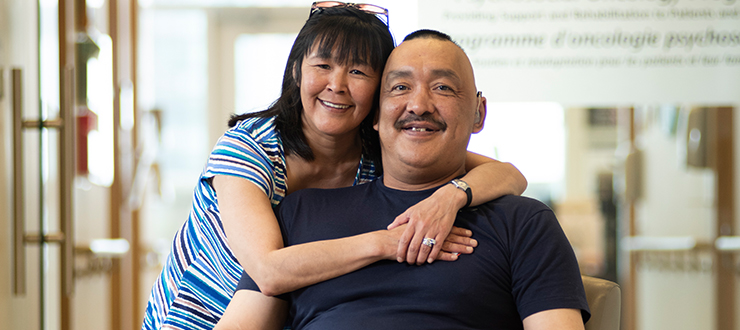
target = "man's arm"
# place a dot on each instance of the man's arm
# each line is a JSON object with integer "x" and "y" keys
{"x": 252, "y": 310}
{"x": 555, "y": 319}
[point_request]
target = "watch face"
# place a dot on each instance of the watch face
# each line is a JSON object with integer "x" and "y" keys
{"x": 461, "y": 184}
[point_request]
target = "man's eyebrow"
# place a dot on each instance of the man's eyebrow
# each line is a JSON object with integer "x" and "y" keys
{"x": 436, "y": 73}
{"x": 445, "y": 73}
{"x": 396, "y": 74}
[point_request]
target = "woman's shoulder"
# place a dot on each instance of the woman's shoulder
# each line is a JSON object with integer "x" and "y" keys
{"x": 255, "y": 124}
{"x": 259, "y": 129}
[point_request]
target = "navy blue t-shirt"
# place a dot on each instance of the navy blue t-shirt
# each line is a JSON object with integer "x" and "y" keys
{"x": 523, "y": 264}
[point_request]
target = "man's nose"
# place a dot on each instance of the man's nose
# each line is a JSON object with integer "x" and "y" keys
{"x": 420, "y": 102}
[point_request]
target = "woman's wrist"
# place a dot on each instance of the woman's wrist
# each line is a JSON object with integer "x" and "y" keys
{"x": 384, "y": 244}
{"x": 458, "y": 197}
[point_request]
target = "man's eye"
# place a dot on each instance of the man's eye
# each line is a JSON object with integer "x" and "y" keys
{"x": 444, "y": 88}
{"x": 399, "y": 88}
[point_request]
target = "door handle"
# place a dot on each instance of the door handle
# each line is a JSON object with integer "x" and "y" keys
{"x": 19, "y": 252}
{"x": 65, "y": 124}
{"x": 66, "y": 178}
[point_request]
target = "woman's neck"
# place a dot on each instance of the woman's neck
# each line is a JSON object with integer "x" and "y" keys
{"x": 335, "y": 163}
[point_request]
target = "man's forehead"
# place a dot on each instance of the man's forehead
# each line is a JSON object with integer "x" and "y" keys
{"x": 438, "y": 59}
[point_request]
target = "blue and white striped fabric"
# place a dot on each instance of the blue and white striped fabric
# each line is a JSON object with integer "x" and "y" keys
{"x": 201, "y": 272}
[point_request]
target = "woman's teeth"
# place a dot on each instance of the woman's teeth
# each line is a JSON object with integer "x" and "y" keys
{"x": 338, "y": 106}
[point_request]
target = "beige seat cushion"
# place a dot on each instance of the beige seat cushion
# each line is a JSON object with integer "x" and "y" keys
{"x": 605, "y": 302}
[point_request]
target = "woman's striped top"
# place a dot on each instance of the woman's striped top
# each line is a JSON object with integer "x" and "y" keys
{"x": 201, "y": 273}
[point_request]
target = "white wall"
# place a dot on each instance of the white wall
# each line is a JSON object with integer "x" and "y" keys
{"x": 559, "y": 69}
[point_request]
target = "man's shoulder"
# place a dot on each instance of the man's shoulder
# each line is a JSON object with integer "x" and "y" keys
{"x": 513, "y": 211}
{"x": 512, "y": 202}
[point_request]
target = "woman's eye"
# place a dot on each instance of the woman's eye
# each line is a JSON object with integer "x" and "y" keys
{"x": 323, "y": 66}
{"x": 355, "y": 71}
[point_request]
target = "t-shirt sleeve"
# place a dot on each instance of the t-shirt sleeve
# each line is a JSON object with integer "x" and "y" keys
{"x": 238, "y": 154}
{"x": 246, "y": 283}
{"x": 545, "y": 273}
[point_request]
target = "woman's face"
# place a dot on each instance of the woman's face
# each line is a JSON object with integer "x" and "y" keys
{"x": 336, "y": 97}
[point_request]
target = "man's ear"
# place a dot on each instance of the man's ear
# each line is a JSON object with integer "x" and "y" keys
{"x": 480, "y": 115}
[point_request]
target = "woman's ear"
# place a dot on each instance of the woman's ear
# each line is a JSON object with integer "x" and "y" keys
{"x": 296, "y": 77}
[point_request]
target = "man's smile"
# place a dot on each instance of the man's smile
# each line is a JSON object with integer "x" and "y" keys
{"x": 420, "y": 124}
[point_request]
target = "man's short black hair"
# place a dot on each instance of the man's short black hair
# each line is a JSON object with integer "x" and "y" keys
{"x": 426, "y": 33}
{"x": 431, "y": 34}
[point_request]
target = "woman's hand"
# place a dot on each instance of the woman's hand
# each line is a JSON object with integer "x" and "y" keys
{"x": 433, "y": 218}
{"x": 457, "y": 242}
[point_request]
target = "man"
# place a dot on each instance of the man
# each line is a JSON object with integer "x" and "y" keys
{"x": 523, "y": 273}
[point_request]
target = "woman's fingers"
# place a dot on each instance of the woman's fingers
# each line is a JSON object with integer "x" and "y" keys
{"x": 415, "y": 247}
{"x": 403, "y": 244}
{"x": 411, "y": 248}
{"x": 399, "y": 220}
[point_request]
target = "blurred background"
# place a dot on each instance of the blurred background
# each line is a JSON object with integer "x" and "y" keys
{"x": 619, "y": 113}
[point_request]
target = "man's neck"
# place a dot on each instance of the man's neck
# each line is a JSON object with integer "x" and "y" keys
{"x": 415, "y": 179}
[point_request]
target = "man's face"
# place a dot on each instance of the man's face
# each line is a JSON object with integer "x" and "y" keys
{"x": 428, "y": 106}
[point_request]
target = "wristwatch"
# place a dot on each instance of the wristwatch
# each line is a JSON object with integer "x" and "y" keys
{"x": 462, "y": 185}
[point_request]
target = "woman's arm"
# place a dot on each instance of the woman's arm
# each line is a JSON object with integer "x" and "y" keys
{"x": 491, "y": 179}
{"x": 433, "y": 217}
{"x": 255, "y": 239}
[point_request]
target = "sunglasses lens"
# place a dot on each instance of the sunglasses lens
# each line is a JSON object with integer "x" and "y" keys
{"x": 328, "y": 4}
{"x": 372, "y": 9}
{"x": 368, "y": 8}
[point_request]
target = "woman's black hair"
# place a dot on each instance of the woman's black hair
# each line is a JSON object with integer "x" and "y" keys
{"x": 355, "y": 37}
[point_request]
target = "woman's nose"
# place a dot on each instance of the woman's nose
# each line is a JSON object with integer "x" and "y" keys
{"x": 337, "y": 82}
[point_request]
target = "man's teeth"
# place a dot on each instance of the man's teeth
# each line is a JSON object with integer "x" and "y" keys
{"x": 419, "y": 129}
{"x": 338, "y": 106}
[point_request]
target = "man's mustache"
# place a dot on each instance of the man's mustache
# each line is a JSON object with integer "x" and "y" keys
{"x": 426, "y": 117}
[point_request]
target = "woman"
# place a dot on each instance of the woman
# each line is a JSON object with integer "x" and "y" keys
{"x": 317, "y": 134}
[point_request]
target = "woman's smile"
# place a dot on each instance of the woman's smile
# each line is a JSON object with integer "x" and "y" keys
{"x": 333, "y": 105}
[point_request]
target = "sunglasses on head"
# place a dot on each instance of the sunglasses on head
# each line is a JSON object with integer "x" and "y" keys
{"x": 380, "y": 12}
